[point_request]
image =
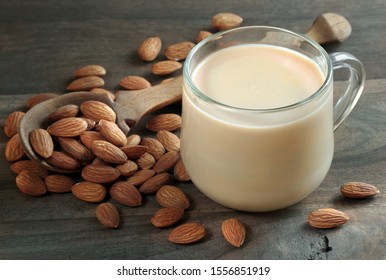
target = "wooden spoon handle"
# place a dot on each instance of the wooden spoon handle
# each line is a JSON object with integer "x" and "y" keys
{"x": 132, "y": 105}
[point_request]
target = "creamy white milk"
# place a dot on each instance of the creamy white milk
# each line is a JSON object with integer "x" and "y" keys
{"x": 252, "y": 160}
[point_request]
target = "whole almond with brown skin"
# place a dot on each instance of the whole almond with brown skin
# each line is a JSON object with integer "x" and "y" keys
{"x": 224, "y": 21}
{"x": 154, "y": 147}
{"x": 166, "y": 217}
{"x": 128, "y": 168}
{"x": 169, "y": 140}
{"x": 97, "y": 111}
{"x": 358, "y": 190}
{"x": 187, "y": 233}
{"x": 90, "y": 123}
{"x": 233, "y": 231}
{"x": 68, "y": 127}
{"x": 134, "y": 152}
{"x": 140, "y": 177}
{"x": 103, "y": 91}
{"x": 179, "y": 51}
{"x": 63, "y": 160}
{"x": 166, "y": 162}
{"x": 126, "y": 194}
{"x": 76, "y": 149}
{"x": 149, "y": 48}
{"x": 41, "y": 141}
{"x": 112, "y": 133}
{"x": 153, "y": 184}
{"x": 133, "y": 140}
{"x": 86, "y": 83}
{"x": 134, "y": 83}
{"x": 108, "y": 152}
{"x": 58, "y": 183}
{"x": 38, "y": 98}
{"x": 165, "y": 67}
{"x": 89, "y": 191}
{"x": 327, "y": 218}
{"x": 30, "y": 183}
{"x": 202, "y": 35}
{"x": 13, "y": 149}
{"x": 171, "y": 196}
{"x": 169, "y": 122}
{"x": 108, "y": 215}
{"x": 90, "y": 70}
{"x": 12, "y": 123}
{"x": 180, "y": 172}
{"x": 66, "y": 111}
{"x": 30, "y": 165}
{"x": 145, "y": 161}
{"x": 88, "y": 137}
{"x": 100, "y": 173}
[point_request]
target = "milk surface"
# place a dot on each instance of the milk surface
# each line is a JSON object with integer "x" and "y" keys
{"x": 255, "y": 161}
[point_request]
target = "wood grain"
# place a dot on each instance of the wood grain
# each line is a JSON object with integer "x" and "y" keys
{"x": 42, "y": 44}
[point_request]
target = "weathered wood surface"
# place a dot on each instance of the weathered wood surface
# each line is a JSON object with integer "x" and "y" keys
{"x": 43, "y": 42}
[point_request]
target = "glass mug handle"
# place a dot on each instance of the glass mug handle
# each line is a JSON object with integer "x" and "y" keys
{"x": 354, "y": 89}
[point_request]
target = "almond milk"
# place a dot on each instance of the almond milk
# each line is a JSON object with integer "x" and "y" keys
{"x": 240, "y": 145}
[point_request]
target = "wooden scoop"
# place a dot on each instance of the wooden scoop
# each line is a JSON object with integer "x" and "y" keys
{"x": 129, "y": 106}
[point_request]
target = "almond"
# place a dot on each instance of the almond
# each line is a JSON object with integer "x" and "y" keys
{"x": 166, "y": 162}
{"x": 90, "y": 123}
{"x": 133, "y": 140}
{"x": 88, "y": 137}
{"x": 97, "y": 111}
{"x": 13, "y": 149}
{"x": 12, "y": 123}
{"x": 327, "y": 218}
{"x": 111, "y": 132}
{"x": 103, "y": 91}
{"x": 38, "y": 98}
{"x": 89, "y": 191}
{"x": 224, "y": 21}
{"x": 128, "y": 168}
{"x": 90, "y": 70}
{"x": 154, "y": 147}
{"x": 30, "y": 183}
{"x": 30, "y": 165}
{"x": 63, "y": 161}
{"x": 165, "y": 67}
{"x": 108, "y": 152}
{"x": 358, "y": 190}
{"x": 170, "y": 141}
{"x": 179, "y": 51}
{"x": 108, "y": 215}
{"x": 66, "y": 111}
{"x": 86, "y": 83}
{"x": 134, "y": 152}
{"x": 68, "y": 127}
{"x": 187, "y": 233}
{"x": 98, "y": 173}
{"x": 171, "y": 196}
{"x": 153, "y": 184}
{"x": 169, "y": 122}
{"x": 76, "y": 149}
{"x": 180, "y": 172}
{"x": 41, "y": 142}
{"x": 140, "y": 177}
{"x": 145, "y": 161}
{"x": 149, "y": 48}
{"x": 166, "y": 217}
{"x": 58, "y": 183}
{"x": 233, "y": 231}
{"x": 126, "y": 194}
{"x": 134, "y": 83}
{"x": 202, "y": 35}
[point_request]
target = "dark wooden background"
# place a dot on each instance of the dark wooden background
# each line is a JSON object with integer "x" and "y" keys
{"x": 42, "y": 43}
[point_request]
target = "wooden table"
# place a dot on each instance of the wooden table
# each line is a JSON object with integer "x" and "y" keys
{"x": 42, "y": 43}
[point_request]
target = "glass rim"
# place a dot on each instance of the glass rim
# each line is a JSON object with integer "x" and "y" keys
{"x": 187, "y": 76}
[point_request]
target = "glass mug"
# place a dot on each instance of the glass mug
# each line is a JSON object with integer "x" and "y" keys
{"x": 260, "y": 160}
